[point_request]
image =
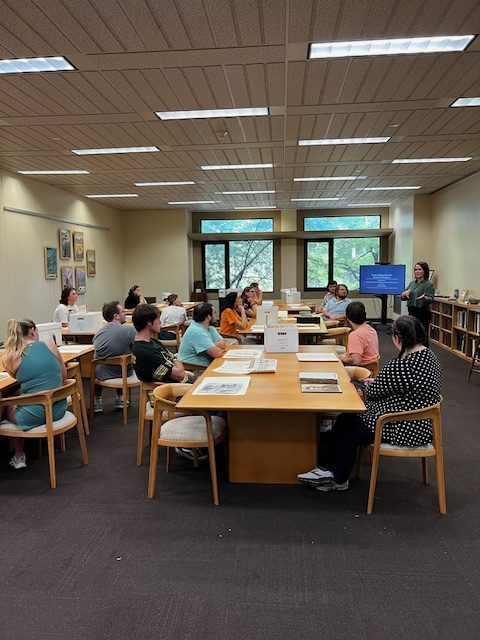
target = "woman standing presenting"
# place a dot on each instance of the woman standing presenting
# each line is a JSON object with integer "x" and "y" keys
{"x": 420, "y": 294}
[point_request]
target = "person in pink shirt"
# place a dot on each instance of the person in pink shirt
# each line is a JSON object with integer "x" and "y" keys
{"x": 363, "y": 340}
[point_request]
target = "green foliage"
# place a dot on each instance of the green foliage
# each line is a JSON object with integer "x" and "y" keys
{"x": 247, "y": 225}
{"x": 345, "y": 223}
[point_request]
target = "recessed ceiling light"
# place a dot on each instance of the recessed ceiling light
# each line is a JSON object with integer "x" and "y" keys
{"x": 395, "y": 46}
{"x": 113, "y": 195}
{"x": 308, "y": 199}
{"x": 162, "y": 184}
{"x": 195, "y": 202}
{"x": 35, "y": 65}
{"x": 325, "y": 141}
{"x": 240, "y": 193}
{"x": 324, "y": 179}
{"x": 388, "y": 188}
{"x": 371, "y": 204}
{"x": 466, "y": 102}
{"x": 212, "y": 113}
{"x": 259, "y": 207}
{"x": 53, "y": 172}
{"x": 217, "y": 167}
{"x": 92, "y": 152}
{"x": 425, "y": 160}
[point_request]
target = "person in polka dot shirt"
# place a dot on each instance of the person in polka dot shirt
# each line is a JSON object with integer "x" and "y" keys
{"x": 410, "y": 381}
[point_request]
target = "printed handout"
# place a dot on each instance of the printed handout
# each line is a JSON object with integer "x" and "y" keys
{"x": 222, "y": 386}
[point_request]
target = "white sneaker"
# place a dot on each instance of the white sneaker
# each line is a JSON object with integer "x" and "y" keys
{"x": 18, "y": 463}
{"x": 119, "y": 402}
{"x": 315, "y": 475}
{"x": 98, "y": 405}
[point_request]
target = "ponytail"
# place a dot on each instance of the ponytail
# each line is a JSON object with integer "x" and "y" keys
{"x": 15, "y": 339}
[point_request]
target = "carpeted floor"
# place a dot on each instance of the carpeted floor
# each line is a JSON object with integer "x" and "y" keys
{"x": 94, "y": 559}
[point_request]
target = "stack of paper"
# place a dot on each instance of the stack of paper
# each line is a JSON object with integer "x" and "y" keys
{"x": 243, "y": 354}
{"x": 222, "y": 387}
{"x": 240, "y": 367}
{"x": 318, "y": 377}
{"x": 317, "y": 357}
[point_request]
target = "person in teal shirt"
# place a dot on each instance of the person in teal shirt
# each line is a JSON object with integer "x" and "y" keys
{"x": 419, "y": 295}
{"x": 201, "y": 342}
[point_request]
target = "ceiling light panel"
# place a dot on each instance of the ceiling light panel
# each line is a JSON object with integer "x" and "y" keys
{"x": 395, "y": 46}
{"x": 196, "y": 202}
{"x": 259, "y": 207}
{"x": 163, "y": 184}
{"x": 308, "y": 199}
{"x": 428, "y": 160}
{"x": 218, "y": 167}
{"x": 112, "y": 150}
{"x": 113, "y": 195}
{"x": 35, "y": 65}
{"x": 388, "y": 188}
{"x": 329, "y": 141}
{"x": 212, "y": 113}
{"x": 54, "y": 172}
{"x": 325, "y": 179}
{"x": 241, "y": 193}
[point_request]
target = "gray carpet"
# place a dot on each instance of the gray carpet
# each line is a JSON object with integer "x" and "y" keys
{"x": 95, "y": 559}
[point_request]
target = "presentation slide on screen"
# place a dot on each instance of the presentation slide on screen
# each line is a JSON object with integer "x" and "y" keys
{"x": 382, "y": 279}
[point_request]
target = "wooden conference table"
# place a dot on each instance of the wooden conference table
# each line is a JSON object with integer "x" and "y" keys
{"x": 303, "y": 330}
{"x": 273, "y": 427}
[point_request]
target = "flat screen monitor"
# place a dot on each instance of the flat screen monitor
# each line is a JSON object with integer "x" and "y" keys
{"x": 378, "y": 279}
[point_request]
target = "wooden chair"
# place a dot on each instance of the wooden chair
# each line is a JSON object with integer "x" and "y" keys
{"x": 145, "y": 414}
{"x": 340, "y": 335}
{"x": 173, "y": 342}
{"x": 233, "y": 337}
{"x": 193, "y": 367}
{"x": 73, "y": 371}
{"x": 358, "y": 373}
{"x": 435, "y": 449}
{"x": 125, "y": 383}
{"x": 373, "y": 366}
{"x": 192, "y": 429}
{"x": 51, "y": 428}
{"x": 475, "y": 364}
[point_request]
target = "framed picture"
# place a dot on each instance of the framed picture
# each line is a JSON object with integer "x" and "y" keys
{"x": 67, "y": 277}
{"x": 91, "y": 263}
{"x": 78, "y": 252}
{"x": 50, "y": 257}
{"x": 65, "y": 243}
{"x": 81, "y": 280}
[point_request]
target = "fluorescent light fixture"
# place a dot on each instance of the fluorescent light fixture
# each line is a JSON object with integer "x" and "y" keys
{"x": 388, "y": 188}
{"x": 240, "y": 193}
{"x": 371, "y": 204}
{"x": 93, "y": 152}
{"x": 325, "y": 179}
{"x": 53, "y": 172}
{"x": 196, "y": 202}
{"x": 261, "y": 207}
{"x": 466, "y": 102}
{"x": 212, "y": 113}
{"x": 218, "y": 167}
{"x": 325, "y": 141}
{"x": 307, "y": 199}
{"x": 113, "y": 195}
{"x": 35, "y": 65}
{"x": 163, "y": 184}
{"x": 428, "y": 160}
{"x": 395, "y": 46}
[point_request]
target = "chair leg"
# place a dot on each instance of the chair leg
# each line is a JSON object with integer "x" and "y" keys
{"x": 195, "y": 458}
{"x": 62, "y": 442}
{"x": 51, "y": 460}
{"x": 140, "y": 440}
{"x": 373, "y": 481}
{"x": 440, "y": 473}
{"x": 82, "y": 440}
{"x": 125, "y": 409}
{"x": 360, "y": 453}
{"x": 152, "y": 472}
{"x": 83, "y": 406}
{"x": 168, "y": 460}
{"x": 213, "y": 471}
{"x": 425, "y": 470}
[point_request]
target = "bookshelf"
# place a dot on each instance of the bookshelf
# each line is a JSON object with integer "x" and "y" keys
{"x": 455, "y": 326}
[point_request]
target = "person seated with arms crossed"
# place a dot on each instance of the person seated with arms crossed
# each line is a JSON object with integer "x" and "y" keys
{"x": 336, "y": 306}
{"x": 67, "y": 306}
{"x": 362, "y": 343}
{"x": 410, "y": 381}
{"x": 37, "y": 366}
{"x": 328, "y": 296}
{"x": 257, "y": 293}
{"x": 134, "y": 297}
{"x": 202, "y": 343}
{"x": 233, "y": 316}
{"x": 114, "y": 339}
{"x": 173, "y": 314}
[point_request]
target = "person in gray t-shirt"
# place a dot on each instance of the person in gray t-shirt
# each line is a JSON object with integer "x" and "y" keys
{"x": 114, "y": 339}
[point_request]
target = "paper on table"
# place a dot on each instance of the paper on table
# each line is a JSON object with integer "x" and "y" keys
{"x": 3, "y": 375}
{"x": 243, "y": 354}
{"x": 317, "y": 357}
{"x": 255, "y": 365}
{"x": 71, "y": 348}
{"x": 222, "y": 386}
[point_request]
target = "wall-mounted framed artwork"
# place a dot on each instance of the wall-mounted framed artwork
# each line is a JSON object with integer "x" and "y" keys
{"x": 81, "y": 280}
{"x": 78, "y": 251}
{"x": 50, "y": 258}
{"x": 91, "y": 263}
{"x": 65, "y": 244}
{"x": 67, "y": 277}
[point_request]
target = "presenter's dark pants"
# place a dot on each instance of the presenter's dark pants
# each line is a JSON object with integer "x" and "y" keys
{"x": 424, "y": 315}
{"x": 347, "y": 434}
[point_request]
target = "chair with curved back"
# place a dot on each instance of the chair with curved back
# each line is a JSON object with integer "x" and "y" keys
{"x": 435, "y": 449}
{"x": 125, "y": 383}
{"x": 234, "y": 338}
{"x": 335, "y": 335}
{"x": 51, "y": 428}
{"x": 373, "y": 366}
{"x": 190, "y": 429}
{"x": 145, "y": 414}
{"x": 73, "y": 371}
{"x": 177, "y": 329}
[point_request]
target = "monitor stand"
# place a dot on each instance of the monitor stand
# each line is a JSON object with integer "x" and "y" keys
{"x": 384, "y": 324}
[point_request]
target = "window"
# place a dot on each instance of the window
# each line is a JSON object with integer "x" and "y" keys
{"x": 248, "y": 225}
{"x": 345, "y": 223}
{"x": 339, "y": 259}
{"x": 238, "y": 263}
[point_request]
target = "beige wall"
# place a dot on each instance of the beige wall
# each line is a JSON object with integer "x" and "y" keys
{"x": 24, "y": 291}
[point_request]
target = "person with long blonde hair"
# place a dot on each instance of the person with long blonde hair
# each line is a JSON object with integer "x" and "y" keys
{"x": 37, "y": 366}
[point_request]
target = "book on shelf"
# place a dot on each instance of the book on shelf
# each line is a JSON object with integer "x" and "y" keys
{"x": 318, "y": 377}
{"x": 320, "y": 388}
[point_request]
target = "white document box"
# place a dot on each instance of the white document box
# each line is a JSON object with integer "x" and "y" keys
{"x": 50, "y": 331}
{"x": 267, "y": 315}
{"x": 293, "y": 297}
{"x": 281, "y": 339}
{"x": 90, "y": 321}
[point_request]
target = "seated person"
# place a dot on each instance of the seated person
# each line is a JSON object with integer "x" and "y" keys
{"x": 410, "y": 381}
{"x": 114, "y": 339}
{"x": 201, "y": 342}
{"x": 151, "y": 360}
{"x": 37, "y": 366}
{"x": 328, "y": 296}
{"x": 134, "y": 297}
{"x": 257, "y": 293}
{"x": 249, "y": 304}
{"x": 233, "y": 316}
{"x": 336, "y": 306}
{"x": 67, "y": 306}
{"x": 173, "y": 314}
{"x": 362, "y": 344}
